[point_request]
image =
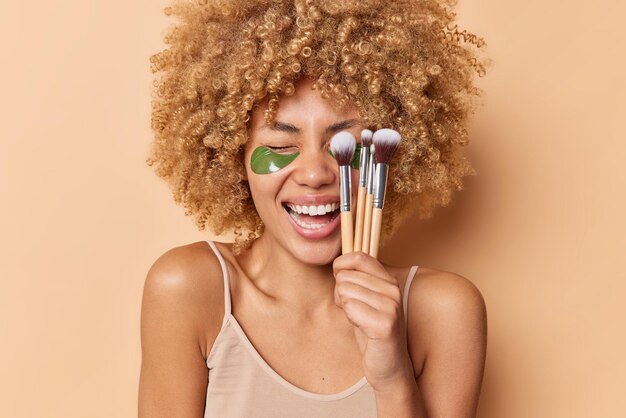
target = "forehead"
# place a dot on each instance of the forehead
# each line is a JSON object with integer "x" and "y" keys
{"x": 305, "y": 105}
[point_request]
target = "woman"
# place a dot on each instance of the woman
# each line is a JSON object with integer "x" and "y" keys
{"x": 279, "y": 324}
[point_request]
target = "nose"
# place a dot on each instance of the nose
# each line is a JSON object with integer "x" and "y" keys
{"x": 315, "y": 169}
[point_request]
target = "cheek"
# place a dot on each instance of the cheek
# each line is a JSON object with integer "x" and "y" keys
{"x": 267, "y": 172}
{"x": 265, "y": 188}
{"x": 260, "y": 185}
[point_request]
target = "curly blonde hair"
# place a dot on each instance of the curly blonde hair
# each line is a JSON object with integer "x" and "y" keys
{"x": 404, "y": 64}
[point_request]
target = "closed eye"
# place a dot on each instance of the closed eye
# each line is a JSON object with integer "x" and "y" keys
{"x": 282, "y": 149}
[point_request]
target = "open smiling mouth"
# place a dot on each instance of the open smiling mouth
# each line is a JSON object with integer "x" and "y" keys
{"x": 312, "y": 217}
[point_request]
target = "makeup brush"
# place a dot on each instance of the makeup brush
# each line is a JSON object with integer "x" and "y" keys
{"x": 369, "y": 199}
{"x": 366, "y": 140}
{"x": 386, "y": 142}
{"x": 342, "y": 145}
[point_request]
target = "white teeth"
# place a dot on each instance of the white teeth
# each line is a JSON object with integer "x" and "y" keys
{"x": 309, "y": 226}
{"x": 314, "y": 210}
{"x": 296, "y": 218}
{"x": 296, "y": 210}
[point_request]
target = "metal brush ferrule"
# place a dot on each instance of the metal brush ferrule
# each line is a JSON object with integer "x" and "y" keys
{"x": 370, "y": 176}
{"x": 380, "y": 184}
{"x": 363, "y": 166}
{"x": 345, "y": 182}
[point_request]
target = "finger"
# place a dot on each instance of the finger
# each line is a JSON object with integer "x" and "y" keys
{"x": 348, "y": 290}
{"x": 375, "y": 324}
{"x": 370, "y": 282}
{"x": 362, "y": 262}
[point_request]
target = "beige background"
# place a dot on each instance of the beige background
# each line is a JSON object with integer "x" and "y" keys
{"x": 540, "y": 230}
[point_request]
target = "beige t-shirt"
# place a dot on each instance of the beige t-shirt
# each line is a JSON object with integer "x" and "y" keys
{"x": 242, "y": 385}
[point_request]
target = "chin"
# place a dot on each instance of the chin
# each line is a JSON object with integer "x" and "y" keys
{"x": 314, "y": 246}
{"x": 317, "y": 253}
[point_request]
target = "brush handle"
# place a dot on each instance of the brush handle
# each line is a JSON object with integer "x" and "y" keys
{"x": 347, "y": 235}
{"x": 360, "y": 217}
{"x": 377, "y": 221}
{"x": 367, "y": 223}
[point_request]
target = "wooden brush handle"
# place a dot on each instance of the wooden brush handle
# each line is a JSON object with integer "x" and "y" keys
{"x": 377, "y": 221}
{"x": 360, "y": 217}
{"x": 367, "y": 223}
{"x": 347, "y": 236}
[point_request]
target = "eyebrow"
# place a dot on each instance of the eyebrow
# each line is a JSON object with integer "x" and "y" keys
{"x": 335, "y": 127}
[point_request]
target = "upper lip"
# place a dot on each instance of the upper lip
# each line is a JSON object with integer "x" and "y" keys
{"x": 311, "y": 200}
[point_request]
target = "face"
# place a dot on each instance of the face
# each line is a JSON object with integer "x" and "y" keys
{"x": 293, "y": 179}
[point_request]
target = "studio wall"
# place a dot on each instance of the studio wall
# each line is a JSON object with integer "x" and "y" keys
{"x": 539, "y": 229}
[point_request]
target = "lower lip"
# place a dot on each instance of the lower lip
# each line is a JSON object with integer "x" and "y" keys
{"x": 318, "y": 233}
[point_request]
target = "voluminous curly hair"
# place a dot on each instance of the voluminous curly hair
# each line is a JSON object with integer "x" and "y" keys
{"x": 403, "y": 64}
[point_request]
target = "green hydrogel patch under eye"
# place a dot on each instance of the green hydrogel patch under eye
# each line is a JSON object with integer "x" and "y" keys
{"x": 356, "y": 158}
{"x": 266, "y": 161}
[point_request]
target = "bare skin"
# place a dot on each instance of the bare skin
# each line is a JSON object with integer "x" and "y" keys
{"x": 182, "y": 313}
{"x": 288, "y": 296}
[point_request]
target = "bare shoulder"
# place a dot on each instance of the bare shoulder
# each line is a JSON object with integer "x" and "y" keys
{"x": 447, "y": 337}
{"x": 444, "y": 301}
{"x": 183, "y": 260}
{"x": 181, "y": 311}
{"x": 187, "y": 278}
{"x": 444, "y": 292}
{"x": 184, "y": 266}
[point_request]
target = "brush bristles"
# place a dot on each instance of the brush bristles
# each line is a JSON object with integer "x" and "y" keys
{"x": 386, "y": 142}
{"x": 366, "y": 138}
{"x": 342, "y": 145}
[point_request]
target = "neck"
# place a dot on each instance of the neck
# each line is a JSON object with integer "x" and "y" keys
{"x": 302, "y": 288}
